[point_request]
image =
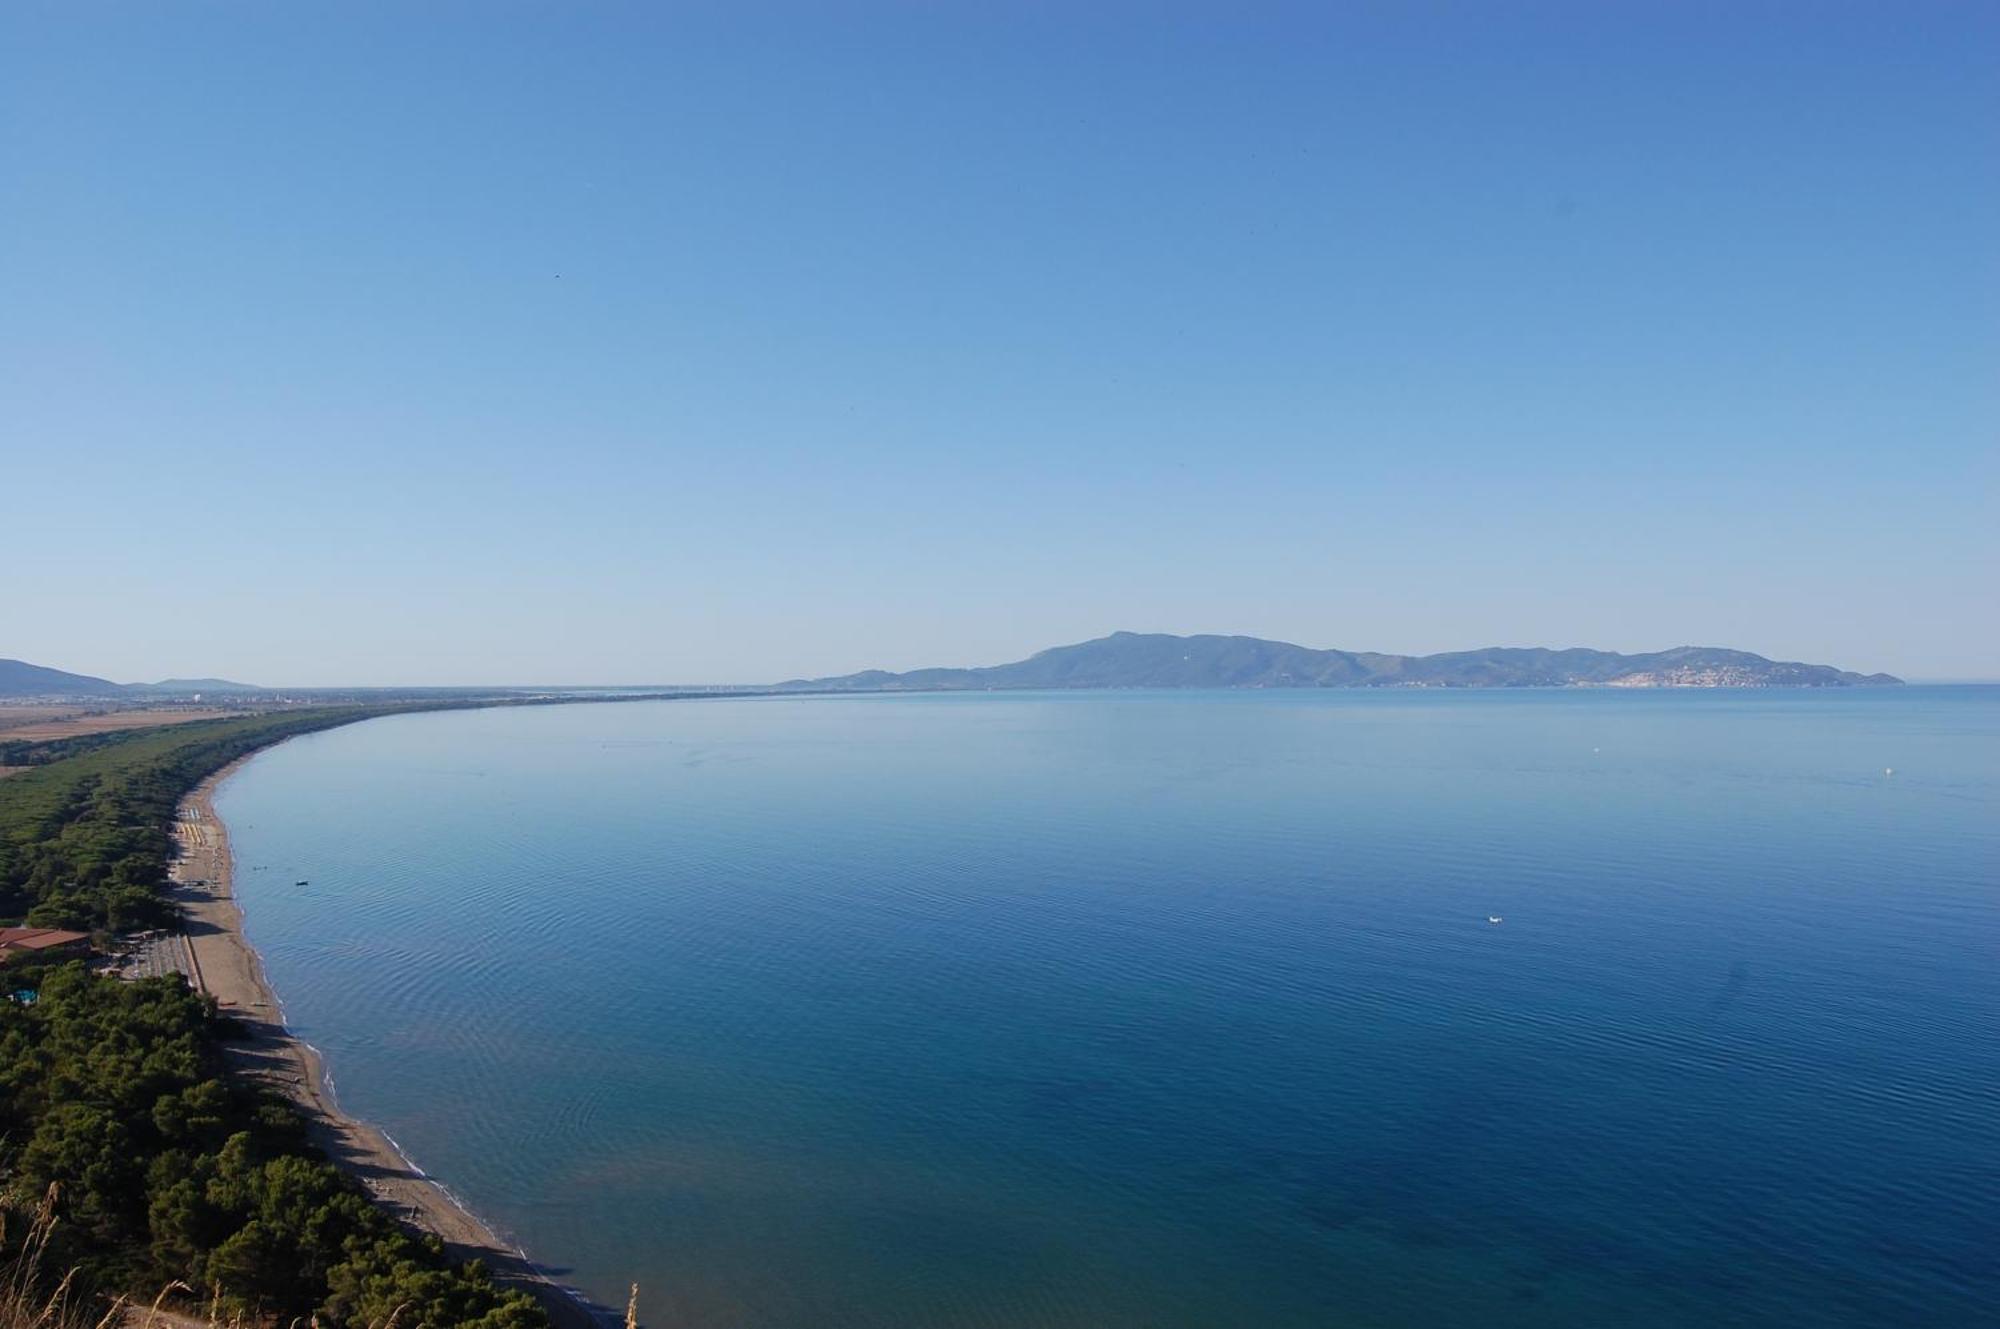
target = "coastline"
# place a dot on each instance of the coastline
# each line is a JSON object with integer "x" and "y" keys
{"x": 224, "y": 964}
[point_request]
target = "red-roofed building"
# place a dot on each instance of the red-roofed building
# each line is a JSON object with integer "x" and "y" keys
{"x": 41, "y": 942}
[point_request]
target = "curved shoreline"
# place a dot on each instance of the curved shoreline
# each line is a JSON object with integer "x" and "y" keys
{"x": 224, "y": 964}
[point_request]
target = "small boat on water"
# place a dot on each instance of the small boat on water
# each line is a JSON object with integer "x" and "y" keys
{"x": 301, "y": 882}
{"x": 1491, "y": 918}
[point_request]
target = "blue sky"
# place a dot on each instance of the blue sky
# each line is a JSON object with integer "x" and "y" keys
{"x": 532, "y": 342}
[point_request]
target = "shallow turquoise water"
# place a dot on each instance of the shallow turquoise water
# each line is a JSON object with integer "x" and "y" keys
{"x": 1176, "y": 1009}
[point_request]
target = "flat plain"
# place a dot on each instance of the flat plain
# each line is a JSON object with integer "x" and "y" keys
{"x": 41, "y": 723}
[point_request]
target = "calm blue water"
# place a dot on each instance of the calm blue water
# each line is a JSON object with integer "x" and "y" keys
{"x": 1176, "y": 1009}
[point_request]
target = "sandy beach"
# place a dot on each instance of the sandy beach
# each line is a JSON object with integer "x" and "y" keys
{"x": 224, "y": 965}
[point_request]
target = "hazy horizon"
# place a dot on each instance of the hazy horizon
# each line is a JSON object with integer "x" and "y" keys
{"x": 237, "y": 677}
{"x": 469, "y": 344}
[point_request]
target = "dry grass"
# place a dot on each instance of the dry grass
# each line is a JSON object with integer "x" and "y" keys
{"x": 26, "y": 1302}
{"x": 39, "y": 724}
{"x": 23, "y": 1304}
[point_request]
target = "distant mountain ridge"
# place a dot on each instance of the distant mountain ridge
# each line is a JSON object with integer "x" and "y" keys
{"x": 186, "y": 685}
{"x": 1160, "y": 660}
{"x": 18, "y": 678}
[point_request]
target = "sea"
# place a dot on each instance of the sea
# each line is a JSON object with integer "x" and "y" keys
{"x": 1116, "y": 1009}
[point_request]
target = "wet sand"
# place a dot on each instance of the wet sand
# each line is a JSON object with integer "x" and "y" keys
{"x": 222, "y": 963}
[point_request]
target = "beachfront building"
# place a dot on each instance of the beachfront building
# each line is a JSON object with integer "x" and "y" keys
{"x": 41, "y": 943}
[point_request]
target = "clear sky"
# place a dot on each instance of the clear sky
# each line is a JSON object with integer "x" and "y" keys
{"x": 497, "y": 342}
